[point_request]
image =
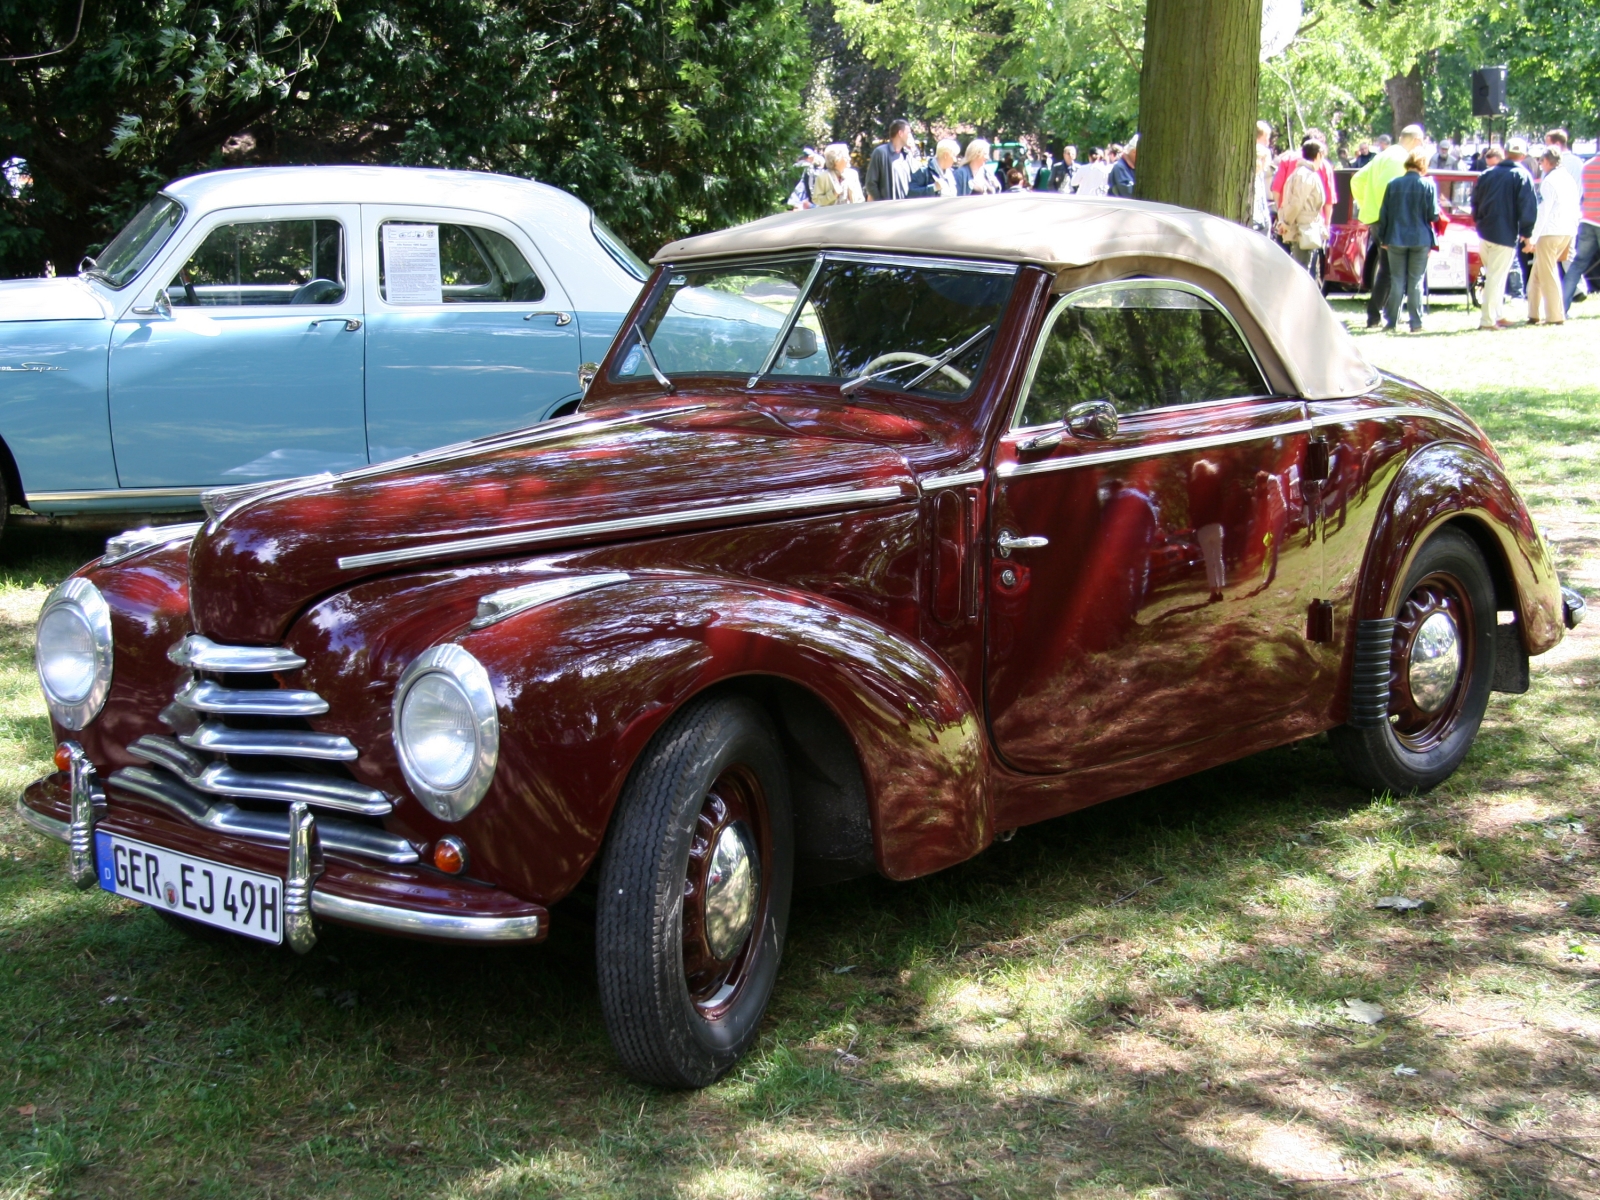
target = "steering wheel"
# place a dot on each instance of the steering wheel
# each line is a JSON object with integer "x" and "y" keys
{"x": 188, "y": 287}
{"x": 911, "y": 356}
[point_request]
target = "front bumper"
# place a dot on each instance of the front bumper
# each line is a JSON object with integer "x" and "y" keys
{"x": 410, "y": 902}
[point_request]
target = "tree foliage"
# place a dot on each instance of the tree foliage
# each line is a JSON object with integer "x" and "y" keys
{"x": 668, "y": 116}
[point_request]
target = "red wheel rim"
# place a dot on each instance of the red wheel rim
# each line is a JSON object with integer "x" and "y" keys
{"x": 1418, "y": 724}
{"x": 734, "y": 806}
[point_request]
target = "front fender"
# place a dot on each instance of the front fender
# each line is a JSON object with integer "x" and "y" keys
{"x": 1451, "y": 481}
{"x": 583, "y": 683}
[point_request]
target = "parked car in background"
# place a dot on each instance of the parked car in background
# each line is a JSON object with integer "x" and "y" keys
{"x": 255, "y": 324}
{"x": 1454, "y": 267}
{"x": 884, "y": 530}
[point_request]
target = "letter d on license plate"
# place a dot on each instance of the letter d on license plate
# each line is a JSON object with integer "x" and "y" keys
{"x": 214, "y": 894}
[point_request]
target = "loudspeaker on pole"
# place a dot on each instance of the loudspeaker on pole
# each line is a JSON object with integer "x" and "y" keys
{"x": 1489, "y": 92}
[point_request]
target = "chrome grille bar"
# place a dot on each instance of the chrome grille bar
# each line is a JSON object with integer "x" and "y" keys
{"x": 202, "y": 654}
{"x": 218, "y": 738}
{"x": 340, "y": 837}
{"x": 220, "y": 779}
{"x": 202, "y": 695}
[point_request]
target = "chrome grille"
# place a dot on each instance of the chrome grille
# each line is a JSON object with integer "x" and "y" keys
{"x": 203, "y": 760}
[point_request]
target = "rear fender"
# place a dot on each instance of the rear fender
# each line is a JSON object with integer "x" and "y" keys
{"x": 1452, "y": 482}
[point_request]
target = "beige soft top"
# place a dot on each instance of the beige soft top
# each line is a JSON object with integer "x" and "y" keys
{"x": 1065, "y": 234}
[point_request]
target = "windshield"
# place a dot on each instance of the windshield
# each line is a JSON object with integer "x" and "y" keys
{"x": 137, "y": 244}
{"x": 618, "y": 249}
{"x": 919, "y": 326}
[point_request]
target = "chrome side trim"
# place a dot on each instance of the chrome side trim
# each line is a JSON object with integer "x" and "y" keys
{"x": 1129, "y": 453}
{"x": 43, "y": 823}
{"x": 220, "y": 779}
{"x": 345, "y": 837}
{"x": 115, "y": 494}
{"x": 1393, "y": 412}
{"x": 776, "y": 506}
{"x": 497, "y": 606}
{"x": 932, "y": 483}
{"x": 913, "y": 260}
{"x": 214, "y": 737}
{"x": 202, "y": 654}
{"x": 204, "y": 696}
{"x": 453, "y": 926}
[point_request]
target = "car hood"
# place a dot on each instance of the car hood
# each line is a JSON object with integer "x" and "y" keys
{"x": 50, "y": 300}
{"x": 583, "y": 480}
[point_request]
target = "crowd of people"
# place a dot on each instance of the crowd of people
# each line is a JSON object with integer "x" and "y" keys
{"x": 1537, "y": 216}
{"x": 897, "y": 170}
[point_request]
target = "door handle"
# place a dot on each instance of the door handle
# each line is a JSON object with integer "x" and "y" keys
{"x": 562, "y": 318}
{"x": 351, "y": 324}
{"x": 1008, "y": 541}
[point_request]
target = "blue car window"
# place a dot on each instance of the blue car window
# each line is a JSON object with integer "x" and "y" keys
{"x": 137, "y": 244}
{"x": 252, "y": 263}
{"x": 476, "y": 266}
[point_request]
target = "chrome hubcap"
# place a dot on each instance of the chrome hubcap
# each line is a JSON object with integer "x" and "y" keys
{"x": 1435, "y": 662}
{"x": 733, "y": 890}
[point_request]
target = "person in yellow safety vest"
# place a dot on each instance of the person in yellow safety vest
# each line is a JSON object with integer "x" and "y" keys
{"x": 1366, "y": 189}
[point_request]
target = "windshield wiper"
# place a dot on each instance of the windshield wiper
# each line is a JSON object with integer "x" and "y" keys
{"x": 938, "y": 364}
{"x": 650, "y": 360}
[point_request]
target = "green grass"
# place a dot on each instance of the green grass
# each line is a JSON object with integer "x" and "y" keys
{"x": 1138, "y": 1000}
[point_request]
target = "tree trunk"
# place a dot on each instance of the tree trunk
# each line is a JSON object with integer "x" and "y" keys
{"x": 1405, "y": 98}
{"x": 1198, "y": 94}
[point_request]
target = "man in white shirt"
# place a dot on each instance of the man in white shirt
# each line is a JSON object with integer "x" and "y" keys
{"x": 1570, "y": 162}
{"x": 1094, "y": 177}
{"x": 1552, "y": 239}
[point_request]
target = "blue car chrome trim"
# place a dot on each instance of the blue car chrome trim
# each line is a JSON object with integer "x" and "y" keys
{"x": 778, "y": 506}
{"x": 32, "y": 366}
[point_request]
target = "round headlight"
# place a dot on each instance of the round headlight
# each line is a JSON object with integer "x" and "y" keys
{"x": 72, "y": 652}
{"x": 447, "y": 731}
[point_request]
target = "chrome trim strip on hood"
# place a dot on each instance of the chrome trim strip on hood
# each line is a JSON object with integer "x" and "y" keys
{"x": 930, "y": 483}
{"x": 345, "y": 837}
{"x": 794, "y": 503}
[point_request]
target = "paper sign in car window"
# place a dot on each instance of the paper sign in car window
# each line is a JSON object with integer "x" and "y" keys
{"x": 411, "y": 264}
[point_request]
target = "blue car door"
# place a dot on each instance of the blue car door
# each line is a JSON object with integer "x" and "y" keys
{"x": 246, "y": 363}
{"x": 468, "y": 330}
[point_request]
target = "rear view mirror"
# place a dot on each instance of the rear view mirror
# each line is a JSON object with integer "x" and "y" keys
{"x": 802, "y": 343}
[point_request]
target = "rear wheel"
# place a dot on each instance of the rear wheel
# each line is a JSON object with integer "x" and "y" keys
{"x": 694, "y": 894}
{"x": 1441, "y": 666}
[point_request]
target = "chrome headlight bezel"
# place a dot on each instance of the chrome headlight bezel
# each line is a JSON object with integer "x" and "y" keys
{"x": 460, "y": 668}
{"x": 90, "y": 606}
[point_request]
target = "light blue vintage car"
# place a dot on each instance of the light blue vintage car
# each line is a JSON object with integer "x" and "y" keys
{"x": 263, "y": 323}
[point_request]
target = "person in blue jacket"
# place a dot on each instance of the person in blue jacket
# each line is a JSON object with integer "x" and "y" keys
{"x": 1504, "y": 208}
{"x": 1405, "y": 231}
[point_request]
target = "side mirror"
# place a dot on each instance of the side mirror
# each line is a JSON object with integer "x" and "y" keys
{"x": 1094, "y": 419}
{"x": 802, "y": 343}
{"x": 162, "y": 307}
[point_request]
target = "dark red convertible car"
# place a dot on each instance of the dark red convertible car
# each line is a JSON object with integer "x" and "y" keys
{"x": 881, "y": 532}
{"x": 1455, "y": 265}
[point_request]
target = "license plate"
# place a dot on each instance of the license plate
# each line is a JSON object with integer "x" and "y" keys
{"x": 241, "y": 902}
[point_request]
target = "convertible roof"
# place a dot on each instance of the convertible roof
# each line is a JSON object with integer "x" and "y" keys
{"x": 1062, "y": 233}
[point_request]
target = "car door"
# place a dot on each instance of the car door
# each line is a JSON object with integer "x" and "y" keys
{"x": 1152, "y": 564}
{"x": 243, "y": 359}
{"x": 468, "y": 332}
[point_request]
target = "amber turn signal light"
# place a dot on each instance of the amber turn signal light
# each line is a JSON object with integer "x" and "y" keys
{"x": 450, "y": 855}
{"x": 63, "y": 758}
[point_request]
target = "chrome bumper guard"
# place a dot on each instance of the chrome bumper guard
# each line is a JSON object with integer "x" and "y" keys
{"x": 1573, "y": 606}
{"x": 305, "y": 838}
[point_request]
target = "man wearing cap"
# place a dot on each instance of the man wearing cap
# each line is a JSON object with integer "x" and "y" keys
{"x": 1367, "y": 187}
{"x": 1552, "y": 239}
{"x": 1504, "y": 209}
{"x": 1588, "y": 252}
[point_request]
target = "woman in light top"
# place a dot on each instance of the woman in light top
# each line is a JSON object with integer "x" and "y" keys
{"x": 972, "y": 176}
{"x": 837, "y": 183}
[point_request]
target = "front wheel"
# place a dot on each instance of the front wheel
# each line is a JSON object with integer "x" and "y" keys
{"x": 1441, "y": 666}
{"x": 694, "y": 890}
